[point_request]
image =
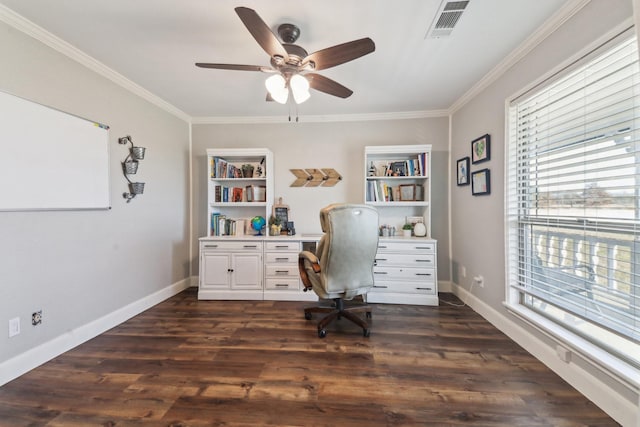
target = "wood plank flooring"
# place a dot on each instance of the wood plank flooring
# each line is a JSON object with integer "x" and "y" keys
{"x": 247, "y": 363}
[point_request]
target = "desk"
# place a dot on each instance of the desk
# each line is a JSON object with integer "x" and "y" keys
{"x": 253, "y": 268}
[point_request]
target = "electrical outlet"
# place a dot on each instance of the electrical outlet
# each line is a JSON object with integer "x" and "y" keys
{"x": 14, "y": 327}
{"x": 479, "y": 280}
{"x": 36, "y": 318}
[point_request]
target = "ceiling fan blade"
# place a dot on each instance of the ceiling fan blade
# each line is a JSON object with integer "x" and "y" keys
{"x": 233, "y": 67}
{"x": 261, "y": 32}
{"x": 339, "y": 54}
{"x": 326, "y": 85}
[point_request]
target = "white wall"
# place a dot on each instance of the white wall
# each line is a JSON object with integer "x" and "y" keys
{"x": 78, "y": 266}
{"x": 338, "y": 145}
{"x": 478, "y": 234}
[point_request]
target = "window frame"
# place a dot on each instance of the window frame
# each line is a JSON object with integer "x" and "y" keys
{"x": 618, "y": 367}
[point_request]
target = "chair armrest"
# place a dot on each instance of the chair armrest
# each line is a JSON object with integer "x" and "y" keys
{"x": 313, "y": 261}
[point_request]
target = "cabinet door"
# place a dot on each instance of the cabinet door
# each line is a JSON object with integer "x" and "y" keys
{"x": 214, "y": 270}
{"x": 247, "y": 271}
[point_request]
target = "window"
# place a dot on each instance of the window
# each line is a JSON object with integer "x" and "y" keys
{"x": 573, "y": 200}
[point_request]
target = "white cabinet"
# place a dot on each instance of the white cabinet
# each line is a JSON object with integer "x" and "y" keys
{"x": 405, "y": 272}
{"x": 252, "y": 268}
{"x": 240, "y": 187}
{"x": 282, "y": 278}
{"x": 231, "y": 269}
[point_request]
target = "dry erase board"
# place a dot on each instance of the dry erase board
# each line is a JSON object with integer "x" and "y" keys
{"x": 51, "y": 160}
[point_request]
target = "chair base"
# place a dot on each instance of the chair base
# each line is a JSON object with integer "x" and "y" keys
{"x": 338, "y": 310}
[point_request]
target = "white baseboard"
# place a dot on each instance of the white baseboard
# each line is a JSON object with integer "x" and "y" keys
{"x": 30, "y": 359}
{"x": 608, "y": 399}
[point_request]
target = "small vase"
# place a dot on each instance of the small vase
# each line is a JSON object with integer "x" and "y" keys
{"x": 275, "y": 230}
{"x": 420, "y": 230}
{"x": 406, "y": 233}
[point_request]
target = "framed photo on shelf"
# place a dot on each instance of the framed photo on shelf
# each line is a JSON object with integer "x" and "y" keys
{"x": 462, "y": 166}
{"x": 407, "y": 192}
{"x": 481, "y": 149}
{"x": 398, "y": 169}
{"x": 481, "y": 182}
{"x": 256, "y": 193}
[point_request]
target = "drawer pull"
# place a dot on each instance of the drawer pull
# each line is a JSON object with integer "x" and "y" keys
{"x": 382, "y": 247}
{"x": 250, "y": 246}
{"x": 381, "y": 259}
{"x": 282, "y": 271}
{"x": 282, "y": 246}
{"x": 423, "y": 260}
{"x": 282, "y": 259}
{"x": 281, "y": 285}
{"x": 380, "y": 287}
{"x": 424, "y": 247}
{"x": 423, "y": 274}
{"x": 380, "y": 272}
{"x": 423, "y": 289}
{"x": 211, "y": 246}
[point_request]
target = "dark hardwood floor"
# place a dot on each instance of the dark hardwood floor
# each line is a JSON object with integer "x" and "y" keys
{"x": 246, "y": 363}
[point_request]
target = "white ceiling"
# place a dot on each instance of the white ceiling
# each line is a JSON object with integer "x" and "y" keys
{"x": 155, "y": 43}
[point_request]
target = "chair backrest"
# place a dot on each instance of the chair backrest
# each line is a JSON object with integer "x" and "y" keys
{"x": 348, "y": 249}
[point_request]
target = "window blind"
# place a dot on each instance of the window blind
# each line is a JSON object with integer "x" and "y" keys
{"x": 573, "y": 204}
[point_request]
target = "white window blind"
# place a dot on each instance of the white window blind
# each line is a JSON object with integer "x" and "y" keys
{"x": 573, "y": 203}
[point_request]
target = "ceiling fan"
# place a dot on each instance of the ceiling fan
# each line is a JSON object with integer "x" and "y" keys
{"x": 291, "y": 66}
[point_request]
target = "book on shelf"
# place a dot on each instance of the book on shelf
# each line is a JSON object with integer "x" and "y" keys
{"x": 221, "y": 168}
{"x": 414, "y": 166}
{"x": 217, "y": 194}
{"x": 221, "y": 225}
{"x": 237, "y": 194}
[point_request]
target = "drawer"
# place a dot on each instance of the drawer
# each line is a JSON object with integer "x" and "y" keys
{"x": 282, "y": 271}
{"x": 409, "y": 259}
{"x": 426, "y": 247}
{"x": 404, "y": 287}
{"x": 247, "y": 246}
{"x": 404, "y": 273}
{"x": 282, "y": 257}
{"x": 283, "y": 246}
{"x": 283, "y": 284}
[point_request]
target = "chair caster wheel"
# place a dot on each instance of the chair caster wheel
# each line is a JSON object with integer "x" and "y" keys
{"x": 366, "y": 332}
{"x": 322, "y": 333}
{"x": 307, "y": 316}
{"x": 368, "y": 315}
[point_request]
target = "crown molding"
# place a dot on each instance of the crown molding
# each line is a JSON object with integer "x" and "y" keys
{"x": 566, "y": 12}
{"x": 22, "y": 24}
{"x": 406, "y": 115}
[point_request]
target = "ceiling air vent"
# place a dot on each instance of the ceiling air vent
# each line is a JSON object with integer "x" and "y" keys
{"x": 446, "y": 19}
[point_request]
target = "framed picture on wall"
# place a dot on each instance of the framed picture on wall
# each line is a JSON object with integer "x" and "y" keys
{"x": 481, "y": 182}
{"x": 462, "y": 166}
{"x": 481, "y": 149}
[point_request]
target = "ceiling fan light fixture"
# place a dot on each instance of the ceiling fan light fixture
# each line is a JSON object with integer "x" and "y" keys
{"x": 300, "y": 88}
{"x": 277, "y": 87}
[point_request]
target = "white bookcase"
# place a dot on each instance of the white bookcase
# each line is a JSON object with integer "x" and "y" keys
{"x": 234, "y": 196}
{"x": 398, "y": 183}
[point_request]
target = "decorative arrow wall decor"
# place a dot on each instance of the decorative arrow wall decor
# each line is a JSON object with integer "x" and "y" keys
{"x": 315, "y": 177}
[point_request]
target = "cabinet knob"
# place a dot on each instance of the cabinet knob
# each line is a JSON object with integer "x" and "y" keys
{"x": 229, "y": 270}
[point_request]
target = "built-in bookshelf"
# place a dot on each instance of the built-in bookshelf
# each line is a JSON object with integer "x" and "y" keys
{"x": 398, "y": 183}
{"x": 240, "y": 187}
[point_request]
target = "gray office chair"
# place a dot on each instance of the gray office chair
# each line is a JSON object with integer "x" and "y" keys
{"x": 342, "y": 267}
